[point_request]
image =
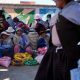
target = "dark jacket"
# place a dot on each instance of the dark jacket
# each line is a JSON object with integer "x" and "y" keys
{"x": 69, "y": 34}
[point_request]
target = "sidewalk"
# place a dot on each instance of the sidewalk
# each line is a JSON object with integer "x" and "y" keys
{"x": 18, "y": 73}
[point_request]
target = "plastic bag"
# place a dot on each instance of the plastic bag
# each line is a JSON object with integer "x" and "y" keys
{"x": 16, "y": 63}
{"x": 22, "y": 57}
{"x": 32, "y": 62}
{"x": 75, "y": 74}
{"x": 39, "y": 58}
{"x": 42, "y": 50}
{"x": 5, "y": 61}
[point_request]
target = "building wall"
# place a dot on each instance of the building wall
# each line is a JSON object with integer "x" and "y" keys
{"x": 40, "y": 2}
{"x": 10, "y": 1}
{"x": 26, "y": 13}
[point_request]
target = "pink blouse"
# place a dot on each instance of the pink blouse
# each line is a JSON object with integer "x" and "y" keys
{"x": 55, "y": 38}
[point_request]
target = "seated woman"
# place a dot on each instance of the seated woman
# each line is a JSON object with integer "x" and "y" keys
{"x": 41, "y": 30}
{"x": 42, "y": 44}
{"x": 21, "y": 41}
{"x": 6, "y": 45}
{"x": 43, "y": 38}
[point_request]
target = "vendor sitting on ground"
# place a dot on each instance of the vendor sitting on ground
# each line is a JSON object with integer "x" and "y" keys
{"x": 6, "y": 45}
{"x": 43, "y": 41}
{"x": 42, "y": 44}
{"x": 41, "y": 30}
{"x": 21, "y": 41}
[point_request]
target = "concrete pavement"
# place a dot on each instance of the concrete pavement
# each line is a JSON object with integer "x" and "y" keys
{"x": 18, "y": 73}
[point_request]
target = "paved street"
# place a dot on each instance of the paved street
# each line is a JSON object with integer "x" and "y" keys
{"x": 18, "y": 73}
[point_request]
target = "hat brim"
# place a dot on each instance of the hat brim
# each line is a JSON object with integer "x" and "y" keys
{"x": 5, "y": 34}
{"x": 10, "y": 30}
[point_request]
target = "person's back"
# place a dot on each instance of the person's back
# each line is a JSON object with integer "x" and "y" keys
{"x": 33, "y": 38}
{"x": 10, "y": 21}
